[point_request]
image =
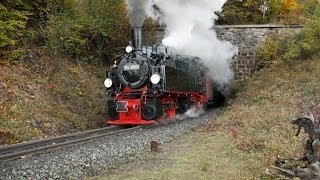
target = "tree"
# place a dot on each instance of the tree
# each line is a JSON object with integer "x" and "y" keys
{"x": 290, "y": 11}
{"x": 84, "y": 29}
{"x": 12, "y": 26}
{"x": 241, "y": 12}
{"x": 249, "y": 12}
{"x": 93, "y": 30}
{"x": 18, "y": 20}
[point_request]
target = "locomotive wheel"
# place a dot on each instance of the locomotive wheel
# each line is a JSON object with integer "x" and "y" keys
{"x": 149, "y": 111}
{"x": 183, "y": 105}
{"x": 218, "y": 99}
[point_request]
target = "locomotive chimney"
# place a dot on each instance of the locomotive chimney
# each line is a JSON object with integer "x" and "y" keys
{"x": 137, "y": 39}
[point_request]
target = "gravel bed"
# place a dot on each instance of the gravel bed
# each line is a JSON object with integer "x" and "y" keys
{"x": 93, "y": 157}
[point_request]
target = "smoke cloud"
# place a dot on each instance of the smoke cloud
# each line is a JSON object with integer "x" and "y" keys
{"x": 193, "y": 112}
{"x": 189, "y": 31}
{"x": 138, "y": 10}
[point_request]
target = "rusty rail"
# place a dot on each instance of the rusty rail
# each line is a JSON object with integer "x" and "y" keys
{"x": 21, "y": 150}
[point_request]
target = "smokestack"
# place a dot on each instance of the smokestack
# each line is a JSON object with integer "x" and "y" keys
{"x": 137, "y": 39}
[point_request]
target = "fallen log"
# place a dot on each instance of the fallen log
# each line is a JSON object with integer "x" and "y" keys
{"x": 311, "y": 155}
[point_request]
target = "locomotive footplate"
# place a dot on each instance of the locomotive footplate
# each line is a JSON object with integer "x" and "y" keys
{"x": 130, "y": 112}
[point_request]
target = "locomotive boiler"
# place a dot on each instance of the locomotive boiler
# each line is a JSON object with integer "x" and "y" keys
{"x": 150, "y": 85}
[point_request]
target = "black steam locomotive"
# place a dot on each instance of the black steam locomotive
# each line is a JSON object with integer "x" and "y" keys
{"x": 150, "y": 85}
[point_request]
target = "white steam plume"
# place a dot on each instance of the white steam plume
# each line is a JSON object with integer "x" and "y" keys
{"x": 189, "y": 31}
{"x": 138, "y": 10}
{"x": 193, "y": 112}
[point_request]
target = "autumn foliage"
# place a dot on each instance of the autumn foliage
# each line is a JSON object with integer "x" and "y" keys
{"x": 96, "y": 31}
{"x": 89, "y": 30}
{"x": 278, "y": 11}
{"x": 289, "y": 6}
{"x": 12, "y": 26}
{"x": 293, "y": 46}
{"x": 93, "y": 30}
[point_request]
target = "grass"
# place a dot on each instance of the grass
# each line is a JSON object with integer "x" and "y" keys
{"x": 38, "y": 101}
{"x": 246, "y": 139}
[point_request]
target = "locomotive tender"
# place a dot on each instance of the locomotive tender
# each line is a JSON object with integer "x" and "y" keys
{"x": 149, "y": 85}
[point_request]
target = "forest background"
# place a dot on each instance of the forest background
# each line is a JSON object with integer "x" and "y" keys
{"x": 96, "y": 31}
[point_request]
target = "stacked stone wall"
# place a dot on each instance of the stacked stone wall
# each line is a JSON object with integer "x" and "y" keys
{"x": 244, "y": 64}
{"x": 248, "y": 39}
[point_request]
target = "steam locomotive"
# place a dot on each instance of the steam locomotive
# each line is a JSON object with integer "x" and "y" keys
{"x": 150, "y": 85}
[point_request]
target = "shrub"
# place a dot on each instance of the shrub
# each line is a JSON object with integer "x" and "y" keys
{"x": 268, "y": 53}
{"x": 299, "y": 46}
{"x": 12, "y": 27}
{"x": 311, "y": 34}
{"x": 306, "y": 43}
{"x": 18, "y": 19}
{"x": 291, "y": 49}
{"x": 93, "y": 31}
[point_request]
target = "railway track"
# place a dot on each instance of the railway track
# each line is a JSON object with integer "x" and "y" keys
{"x": 30, "y": 148}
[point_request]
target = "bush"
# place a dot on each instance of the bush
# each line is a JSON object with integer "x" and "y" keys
{"x": 268, "y": 53}
{"x": 93, "y": 31}
{"x": 306, "y": 43}
{"x": 12, "y": 29}
{"x": 311, "y": 34}
{"x": 18, "y": 21}
{"x": 84, "y": 29}
{"x": 299, "y": 46}
{"x": 291, "y": 49}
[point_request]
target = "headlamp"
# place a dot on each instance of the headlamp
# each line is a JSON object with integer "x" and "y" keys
{"x": 155, "y": 78}
{"x": 129, "y": 49}
{"x": 108, "y": 82}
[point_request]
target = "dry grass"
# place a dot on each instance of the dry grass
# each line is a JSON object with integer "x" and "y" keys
{"x": 39, "y": 101}
{"x": 249, "y": 134}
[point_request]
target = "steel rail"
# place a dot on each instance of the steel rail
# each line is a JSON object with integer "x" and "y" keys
{"x": 42, "y": 142}
{"x": 21, "y": 150}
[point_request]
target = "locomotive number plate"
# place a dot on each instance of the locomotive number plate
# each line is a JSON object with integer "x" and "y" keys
{"x": 131, "y": 67}
{"x": 122, "y": 106}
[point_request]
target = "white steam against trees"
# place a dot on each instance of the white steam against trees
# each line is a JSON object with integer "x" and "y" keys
{"x": 189, "y": 30}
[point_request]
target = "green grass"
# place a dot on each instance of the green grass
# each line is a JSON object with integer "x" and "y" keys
{"x": 246, "y": 138}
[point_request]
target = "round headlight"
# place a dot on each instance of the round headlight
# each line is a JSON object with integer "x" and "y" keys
{"x": 155, "y": 78}
{"x": 129, "y": 49}
{"x": 108, "y": 82}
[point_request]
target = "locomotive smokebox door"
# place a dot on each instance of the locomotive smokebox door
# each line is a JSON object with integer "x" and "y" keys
{"x": 133, "y": 72}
